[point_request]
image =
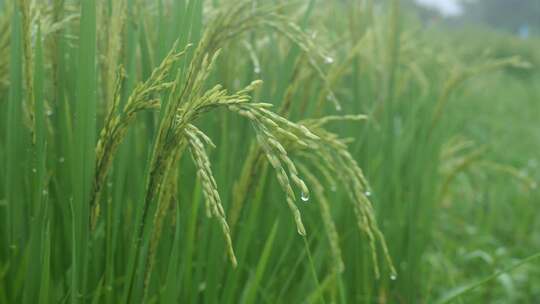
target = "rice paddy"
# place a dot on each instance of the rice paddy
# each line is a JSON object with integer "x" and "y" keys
{"x": 221, "y": 151}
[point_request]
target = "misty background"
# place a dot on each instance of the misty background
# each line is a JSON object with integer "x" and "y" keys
{"x": 520, "y": 17}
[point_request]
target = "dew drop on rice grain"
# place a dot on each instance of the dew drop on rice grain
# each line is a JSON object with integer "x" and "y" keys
{"x": 328, "y": 60}
{"x": 304, "y": 196}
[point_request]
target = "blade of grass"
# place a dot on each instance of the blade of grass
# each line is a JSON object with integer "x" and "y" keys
{"x": 188, "y": 259}
{"x": 251, "y": 291}
{"x": 13, "y": 133}
{"x": 38, "y": 210}
{"x": 45, "y": 279}
{"x": 171, "y": 289}
{"x": 84, "y": 156}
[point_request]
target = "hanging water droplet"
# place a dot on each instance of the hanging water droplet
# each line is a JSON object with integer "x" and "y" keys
{"x": 332, "y": 98}
{"x": 34, "y": 170}
{"x": 61, "y": 160}
{"x": 109, "y": 184}
{"x": 333, "y": 188}
{"x": 328, "y": 60}
{"x": 393, "y": 277}
{"x": 49, "y": 113}
{"x": 367, "y": 193}
{"x": 304, "y": 196}
{"x": 45, "y": 192}
{"x": 202, "y": 286}
{"x": 257, "y": 70}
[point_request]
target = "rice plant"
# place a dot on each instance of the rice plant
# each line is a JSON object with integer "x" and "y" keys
{"x": 236, "y": 151}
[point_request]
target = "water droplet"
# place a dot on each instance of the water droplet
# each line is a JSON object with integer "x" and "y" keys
{"x": 393, "y": 277}
{"x": 333, "y": 188}
{"x": 367, "y": 193}
{"x": 61, "y": 159}
{"x": 45, "y": 192}
{"x": 328, "y": 60}
{"x": 202, "y": 286}
{"x": 304, "y": 196}
{"x": 257, "y": 70}
{"x": 34, "y": 170}
{"x": 338, "y": 107}
{"x": 109, "y": 184}
{"x": 49, "y": 113}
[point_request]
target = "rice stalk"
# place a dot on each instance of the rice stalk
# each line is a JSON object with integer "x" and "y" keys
{"x": 143, "y": 97}
{"x": 195, "y": 138}
{"x": 169, "y": 196}
{"x": 329, "y": 224}
{"x": 5, "y": 38}
{"x": 330, "y": 155}
{"x": 115, "y": 26}
{"x": 187, "y": 101}
{"x": 24, "y": 7}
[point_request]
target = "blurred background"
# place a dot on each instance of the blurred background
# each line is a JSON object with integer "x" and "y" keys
{"x": 519, "y": 17}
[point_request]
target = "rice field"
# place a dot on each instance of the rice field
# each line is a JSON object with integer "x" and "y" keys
{"x": 248, "y": 151}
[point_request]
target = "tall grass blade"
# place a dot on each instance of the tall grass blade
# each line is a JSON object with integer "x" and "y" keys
{"x": 84, "y": 153}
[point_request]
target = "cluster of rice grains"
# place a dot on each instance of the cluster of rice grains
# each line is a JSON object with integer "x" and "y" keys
{"x": 319, "y": 152}
{"x": 330, "y": 157}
